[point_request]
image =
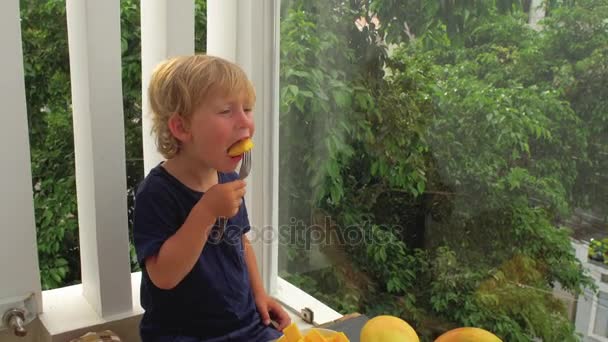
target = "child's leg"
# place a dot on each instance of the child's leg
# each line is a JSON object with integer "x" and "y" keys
{"x": 265, "y": 334}
{"x": 171, "y": 339}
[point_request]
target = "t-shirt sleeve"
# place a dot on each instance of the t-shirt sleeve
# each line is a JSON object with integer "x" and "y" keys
{"x": 154, "y": 221}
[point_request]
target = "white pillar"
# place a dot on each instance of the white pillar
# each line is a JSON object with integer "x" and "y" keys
{"x": 537, "y": 13}
{"x": 248, "y": 34}
{"x": 19, "y": 272}
{"x": 99, "y": 144}
{"x": 222, "y": 27}
{"x": 167, "y": 29}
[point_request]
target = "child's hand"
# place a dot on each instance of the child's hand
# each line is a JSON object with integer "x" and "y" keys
{"x": 224, "y": 200}
{"x": 270, "y": 309}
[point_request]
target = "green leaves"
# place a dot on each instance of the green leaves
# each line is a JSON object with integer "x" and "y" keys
{"x": 457, "y": 152}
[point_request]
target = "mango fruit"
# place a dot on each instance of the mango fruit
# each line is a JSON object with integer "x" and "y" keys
{"x": 240, "y": 147}
{"x": 388, "y": 329}
{"x": 314, "y": 336}
{"x": 339, "y": 337}
{"x": 468, "y": 334}
{"x": 292, "y": 334}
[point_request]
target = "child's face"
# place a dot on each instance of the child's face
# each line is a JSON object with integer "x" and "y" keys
{"x": 215, "y": 126}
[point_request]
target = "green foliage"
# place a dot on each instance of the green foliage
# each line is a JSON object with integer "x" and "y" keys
{"x": 579, "y": 71}
{"x": 46, "y": 65}
{"x": 453, "y": 158}
{"x": 455, "y": 161}
{"x": 312, "y": 94}
{"x": 598, "y": 250}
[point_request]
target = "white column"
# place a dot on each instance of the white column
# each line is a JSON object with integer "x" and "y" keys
{"x": 248, "y": 34}
{"x": 19, "y": 272}
{"x": 95, "y": 65}
{"x": 537, "y": 13}
{"x": 167, "y": 29}
{"x": 222, "y": 27}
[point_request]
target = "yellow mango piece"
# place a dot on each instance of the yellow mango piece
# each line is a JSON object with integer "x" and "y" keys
{"x": 314, "y": 336}
{"x": 339, "y": 337}
{"x": 292, "y": 333}
{"x": 240, "y": 148}
{"x": 468, "y": 334}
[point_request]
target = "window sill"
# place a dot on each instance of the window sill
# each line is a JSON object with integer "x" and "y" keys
{"x": 598, "y": 338}
{"x": 294, "y": 299}
{"x": 67, "y": 312}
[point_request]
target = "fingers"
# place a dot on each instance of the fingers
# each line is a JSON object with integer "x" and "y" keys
{"x": 237, "y": 184}
{"x": 283, "y": 319}
{"x": 241, "y": 193}
{"x": 265, "y": 315}
{"x": 238, "y": 188}
{"x": 283, "y": 323}
{"x": 279, "y": 315}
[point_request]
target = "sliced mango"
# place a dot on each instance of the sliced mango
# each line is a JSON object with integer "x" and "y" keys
{"x": 339, "y": 337}
{"x": 292, "y": 333}
{"x": 314, "y": 336}
{"x": 240, "y": 148}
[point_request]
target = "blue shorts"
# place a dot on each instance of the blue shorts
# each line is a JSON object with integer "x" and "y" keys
{"x": 260, "y": 333}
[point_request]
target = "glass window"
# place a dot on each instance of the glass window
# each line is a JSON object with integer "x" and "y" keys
{"x": 600, "y": 326}
{"x": 439, "y": 159}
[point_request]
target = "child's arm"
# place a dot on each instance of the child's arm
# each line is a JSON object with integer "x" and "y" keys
{"x": 181, "y": 251}
{"x": 267, "y": 307}
{"x": 252, "y": 266}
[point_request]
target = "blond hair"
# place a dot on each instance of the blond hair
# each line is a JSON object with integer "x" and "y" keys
{"x": 180, "y": 84}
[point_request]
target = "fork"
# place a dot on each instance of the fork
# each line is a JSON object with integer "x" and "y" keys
{"x": 243, "y": 173}
{"x": 245, "y": 165}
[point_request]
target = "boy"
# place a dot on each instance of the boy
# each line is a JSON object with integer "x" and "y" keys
{"x": 198, "y": 285}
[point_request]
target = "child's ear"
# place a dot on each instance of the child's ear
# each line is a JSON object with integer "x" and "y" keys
{"x": 179, "y": 127}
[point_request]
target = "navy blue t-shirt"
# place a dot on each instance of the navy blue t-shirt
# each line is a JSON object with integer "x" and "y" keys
{"x": 214, "y": 302}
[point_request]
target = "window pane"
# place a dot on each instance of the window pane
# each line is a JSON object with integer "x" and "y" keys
{"x": 600, "y": 326}
{"x": 441, "y": 161}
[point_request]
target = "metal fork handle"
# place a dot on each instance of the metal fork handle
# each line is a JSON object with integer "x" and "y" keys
{"x": 222, "y": 225}
{"x": 243, "y": 173}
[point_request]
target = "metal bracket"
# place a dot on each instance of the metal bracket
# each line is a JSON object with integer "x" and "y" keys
{"x": 15, "y": 319}
{"x": 26, "y": 304}
{"x": 308, "y": 315}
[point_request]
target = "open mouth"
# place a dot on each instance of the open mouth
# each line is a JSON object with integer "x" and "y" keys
{"x": 234, "y": 145}
{"x": 241, "y": 146}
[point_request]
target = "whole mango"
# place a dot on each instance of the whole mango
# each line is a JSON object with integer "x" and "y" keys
{"x": 468, "y": 334}
{"x": 388, "y": 329}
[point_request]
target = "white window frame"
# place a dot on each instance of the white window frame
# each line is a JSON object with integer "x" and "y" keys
{"x": 594, "y": 306}
{"x": 248, "y": 32}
